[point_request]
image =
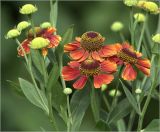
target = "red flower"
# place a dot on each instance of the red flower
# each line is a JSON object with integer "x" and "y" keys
{"x": 127, "y": 56}
{"x": 90, "y": 44}
{"x": 100, "y": 71}
{"x": 45, "y": 33}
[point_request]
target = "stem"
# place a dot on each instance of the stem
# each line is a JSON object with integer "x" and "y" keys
{"x": 131, "y": 120}
{"x": 131, "y": 26}
{"x": 32, "y": 24}
{"x": 122, "y": 36}
{"x": 106, "y": 101}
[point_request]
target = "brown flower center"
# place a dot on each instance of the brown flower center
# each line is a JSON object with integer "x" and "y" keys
{"x": 90, "y": 67}
{"x": 92, "y": 41}
{"x": 38, "y": 31}
{"x": 127, "y": 56}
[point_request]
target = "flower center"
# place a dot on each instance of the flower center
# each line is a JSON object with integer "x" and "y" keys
{"x": 92, "y": 41}
{"x": 90, "y": 67}
{"x": 127, "y": 56}
{"x": 38, "y": 31}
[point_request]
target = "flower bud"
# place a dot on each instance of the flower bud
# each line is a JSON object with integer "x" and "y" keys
{"x": 67, "y": 91}
{"x": 23, "y": 25}
{"x": 39, "y": 42}
{"x": 103, "y": 87}
{"x": 138, "y": 91}
{"x": 28, "y": 9}
{"x": 117, "y": 26}
{"x": 45, "y": 25}
{"x": 139, "y": 17}
{"x": 156, "y": 38}
{"x": 130, "y": 2}
{"x": 13, "y": 33}
{"x": 112, "y": 92}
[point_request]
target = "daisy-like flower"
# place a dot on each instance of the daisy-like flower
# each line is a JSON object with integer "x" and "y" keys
{"x": 101, "y": 72}
{"x": 44, "y": 33}
{"x": 128, "y": 57}
{"x": 89, "y": 44}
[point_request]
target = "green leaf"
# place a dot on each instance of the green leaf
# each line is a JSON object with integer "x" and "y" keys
{"x": 121, "y": 110}
{"x": 121, "y": 125}
{"x": 35, "y": 96}
{"x": 53, "y": 12}
{"x": 79, "y": 104}
{"x": 153, "y": 125}
{"x": 95, "y": 104}
{"x": 130, "y": 98}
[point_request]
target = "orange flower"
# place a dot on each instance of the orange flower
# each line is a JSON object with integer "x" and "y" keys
{"x": 100, "y": 71}
{"x": 127, "y": 56}
{"x": 90, "y": 44}
{"x": 45, "y": 33}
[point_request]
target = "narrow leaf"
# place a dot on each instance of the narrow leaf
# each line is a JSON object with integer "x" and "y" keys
{"x": 53, "y": 12}
{"x": 153, "y": 125}
{"x": 121, "y": 125}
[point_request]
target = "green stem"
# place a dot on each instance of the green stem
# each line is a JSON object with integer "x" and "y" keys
{"x": 106, "y": 101}
{"x": 122, "y": 36}
{"x": 32, "y": 24}
{"x": 131, "y": 26}
{"x": 53, "y": 12}
{"x": 131, "y": 120}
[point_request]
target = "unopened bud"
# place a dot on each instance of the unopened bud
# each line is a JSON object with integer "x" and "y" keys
{"x": 116, "y": 26}
{"x": 103, "y": 87}
{"x": 113, "y": 91}
{"x": 39, "y": 42}
{"x": 28, "y": 9}
{"x": 67, "y": 91}
{"x": 13, "y": 33}
{"x": 138, "y": 91}
{"x": 45, "y": 25}
{"x": 23, "y": 25}
{"x": 156, "y": 38}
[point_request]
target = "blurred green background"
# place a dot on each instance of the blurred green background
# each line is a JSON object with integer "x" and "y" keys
{"x": 19, "y": 114}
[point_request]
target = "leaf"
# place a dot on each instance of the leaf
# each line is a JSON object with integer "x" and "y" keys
{"x": 54, "y": 12}
{"x": 153, "y": 125}
{"x": 131, "y": 98}
{"x": 121, "y": 110}
{"x": 35, "y": 96}
{"x": 79, "y": 104}
{"x": 121, "y": 125}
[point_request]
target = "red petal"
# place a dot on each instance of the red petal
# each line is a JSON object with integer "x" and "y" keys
{"x": 96, "y": 56}
{"x": 80, "y": 83}
{"x": 69, "y": 73}
{"x": 108, "y": 66}
{"x": 50, "y": 31}
{"x": 77, "y": 54}
{"x": 127, "y": 45}
{"x": 144, "y": 62}
{"x": 54, "y": 41}
{"x": 102, "y": 79}
{"x": 44, "y": 51}
{"x": 73, "y": 64}
{"x": 129, "y": 73}
{"x": 144, "y": 70}
{"x": 71, "y": 46}
{"x": 116, "y": 60}
{"x": 85, "y": 56}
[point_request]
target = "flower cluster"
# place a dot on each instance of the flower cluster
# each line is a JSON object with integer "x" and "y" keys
{"x": 92, "y": 59}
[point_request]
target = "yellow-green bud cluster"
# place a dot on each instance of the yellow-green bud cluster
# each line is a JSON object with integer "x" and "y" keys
{"x": 117, "y": 26}
{"x": 28, "y": 9}
{"x": 67, "y": 91}
{"x": 138, "y": 91}
{"x": 113, "y": 91}
{"x": 13, "y": 33}
{"x": 23, "y": 25}
{"x": 103, "y": 87}
{"x": 139, "y": 17}
{"x": 156, "y": 38}
{"x": 130, "y": 2}
{"x": 45, "y": 25}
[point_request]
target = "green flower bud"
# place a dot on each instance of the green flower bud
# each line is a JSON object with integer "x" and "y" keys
{"x": 23, "y": 25}
{"x": 45, "y": 25}
{"x": 28, "y": 9}
{"x": 156, "y": 38}
{"x": 39, "y": 42}
{"x": 130, "y": 2}
{"x": 138, "y": 91}
{"x": 67, "y": 91}
{"x": 103, "y": 87}
{"x": 13, "y": 33}
{"x": 117, "y": 26}
{"x": 112, "y": 92}
{"x": 139, "y": 17}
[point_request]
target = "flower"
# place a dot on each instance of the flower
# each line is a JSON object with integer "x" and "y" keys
{"x": 90, "y": 44}
{"x": 28, "y": 9}
{"x": 130, "y": 2}
{"x": 112, "y": 92}
{"x": 117, "y": 26}
{"x": 39, "y": 42}
{"x": 13, "y": 33}
{"x": 67, "y": 91}
{"x": 100, "y": 71}
{"x": 139, "y": 17}
{"x": 128, "y": 57}
{"x": 45, "y": 25}
{"x": 23, "y": 25}
{"x": 43, "y": 33}
{"x": 156, "y": 38}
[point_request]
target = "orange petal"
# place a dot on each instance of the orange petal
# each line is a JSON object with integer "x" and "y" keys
{"x": 96, "y": 56}
{"x": 84, "y": 57}
{"x": 73, "y": 64}
{"x": 102, "y": 79}
{"x": 69, "y": 73}
{"x": 129, "y": 73}
{"x": 144, "y": 70}
{"x": 144, "y": 62}
{"x": 80, "y": 83}
{"x": 44, "y": 51}
{"x": 78, "y": 39}
{"x": 108, "y": 66}
{"x": 54, "y": 41}
{"x": 71, "y": 46}
{"x": 77, "y": 54}
{"x": 127, "y": 45}
{"x": 50, "y": 30}
{"x": 138, "y": 54}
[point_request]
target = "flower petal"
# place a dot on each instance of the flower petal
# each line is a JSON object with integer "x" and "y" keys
{"x": 108, "y": 66}
{"x": 71, "y": 46}
{"x": 54, "y": 41}
{"x": 116, "y": 60}
{"x": 80, "y": 83}
{"x": 144, "y": 70}
{"x": 69, "y": 73}
{"x": 102, "y": 79}
{"x": 84, "y": 57}
{"x": 129, "y": 73}
{"x": 77, "y": 54}
{"x": 144, "y": 62}
{"x": 44, "y": 51}
{"x": 73, "y": 64}
{"x": 96, "y": 56}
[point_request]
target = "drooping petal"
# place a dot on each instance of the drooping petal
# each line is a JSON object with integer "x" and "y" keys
{"x": 138, "y": 54}
{"x": 108, "y": 66}
{"x": 129, "y": 73}
{"x": 54, "y": 41}
{"x": 144, "y": 62}
{"x": 71, "y": 46}
{"x": 102, "y": 79}
{"x": 116, "y": 60}
{"x": 44, "y": 51}
{"x": 84, "y": 57}
{"x": 77, "y": 54}
{"x": 49, "y": 31}
{"x": 80, "y": 83}
{"x": 69, "y": 73}
{"x": 144, "y": 70}
{"x": 73, "y": 64}
{"x": 96, "y": 56}
{"x": 126, "y": 45}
